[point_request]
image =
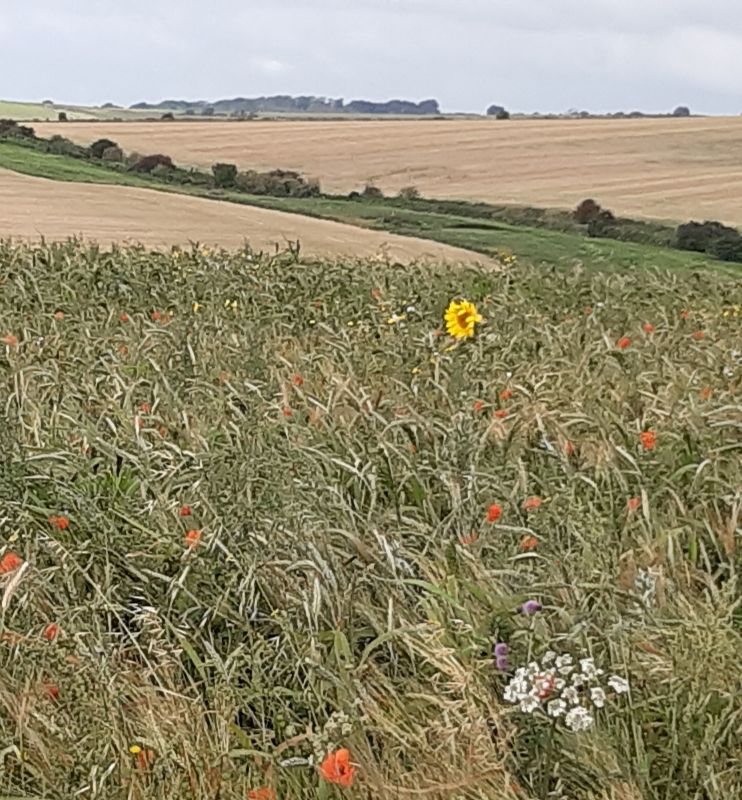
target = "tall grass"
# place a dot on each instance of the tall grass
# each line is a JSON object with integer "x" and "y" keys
{"x": 338, "y": 455}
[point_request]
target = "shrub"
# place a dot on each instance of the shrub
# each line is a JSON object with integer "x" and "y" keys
{"x": 132, "y": 158}
{"x": 114, "y": 153}
{"x": 371, "y": 192}
{"x": 62, "y": 116}
{"x": 59, "y": 145}
{"x": 98, "y": 147}
{"x": 681, "y": 111}
{"x": 409, "y": 193}
{"x": 589, "y": 210}
{"x": 502, "y": 114}
{"x": 494, "y": 110}
{"x": 162, "y": 172}
{"x": 224, "y": 175}
{"x": 697, "y": 236}
{"x": 148, "y": 163}
{"x": 168, "y": 116}
{"x": 10, "y": 128}
{"x": 726, "y": 246}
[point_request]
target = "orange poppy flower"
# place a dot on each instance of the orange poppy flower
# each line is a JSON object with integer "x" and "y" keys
{"x": 684, "y": 314}
{"x": 51, "y": 691}
{"x": 706, "y": 393}
{"x": 506, "y": 394}
{"x": 9, "y": 562}
{"x": 51, "y": 631}
{"x": 648, "y": 439}
{"x": 124, "y": 350}
{"x": 123, "y": 317}
{"x": 144, "y": 408}
{"x": 336, "y": 768}
{"x": 192, "y": 539}
{"x": 297, "y": 380}
{"x": 376, "y": 294}
{"x": 532, "y": 503}
{"x": 59, "y": 315}
{"x": 144, "y": 758}
{"x": 494, "y": 512}
{"x": 263, "y": 793}
{"x": 10, "y": 340}
{"x": 529, "y": 543}
{"x": 478, "y": 405}
{"x": 186, "y": 511}
{"x": 501, "y": 413}
{"x": 287, "y": 412}
{"x": 648, "y": 327}
{"x": 633, "y": 503}
{"x": 624, "y": 342}
{"x": 61, "y": 523}
{"x": 155, "y": 316}
{"x": 698, "y": 335}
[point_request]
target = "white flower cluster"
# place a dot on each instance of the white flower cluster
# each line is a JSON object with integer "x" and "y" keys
{"x": 558, "y": 688}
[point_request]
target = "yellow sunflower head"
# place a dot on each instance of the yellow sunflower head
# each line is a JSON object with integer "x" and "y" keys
{"x": 461, "y": 317}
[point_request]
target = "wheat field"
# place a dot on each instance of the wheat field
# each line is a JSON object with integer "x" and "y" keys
{"x": 673, "y": 169}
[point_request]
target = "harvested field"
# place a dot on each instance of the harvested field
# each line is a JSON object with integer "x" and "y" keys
{"x": 673, "y": 169}
{"x": 34, "y": 207}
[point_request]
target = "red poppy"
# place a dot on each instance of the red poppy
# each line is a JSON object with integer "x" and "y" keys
{"x": 588, "y": 309}
{"x": 144, "y": 408}
{"x": 506, "y": 394}
{"x": 186, "y": 511}
{"x": 698, "y": 335}
{"x": 648, "y": 439}
{"x": 706, "y": 393}
{"x": 10, "y": 340}
{"x": 633, "y": 503}
{"x": 144, "y": 759}
{"x": 376, "y": 294}
{"x": 124, "y": 350}
{"x": 9, "y": 562}
{"x": 494, "y": 512}
{"x": 470, "y": 539}
{"x": 263, "y": 793}
{"x": 61, "y": 523}
{"x": 51, "y": 691}
{"x": 624, "y": 342}
{"x": 287, "y": 412}
{"x": 297, "y": 380}
{"x": 123, "y": 317}
{"x": 336, "y": 768}
{"x": 51, "y": 631}
{"x": 137, "y": 422}
{"x": 156, "y": 316}
{"x": 529, "y": 543}
{"x": 501, "y": 413}
{"x": 685, "y": 314}
{"x": 532, "y": 503}
{"x": 162, "y": 430}
{"x": 569, "y": 448}
{"x": 59, "y": 315}
{"x": 648, "y": 327}
{"x": 478, "y": 405}
{"x": 192, "y": 539}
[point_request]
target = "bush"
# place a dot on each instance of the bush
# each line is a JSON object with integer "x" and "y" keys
{"x": 133, "y": 158}
{"x": 62, "y": 117}
{"x": 98, "y": 147}
{"x": 224, "y": 175}
{"x": 494, "y": 110}
{"x": 697, "y": 236}
{"x": 727, "y": 246}
{"x": 588, "y": 211}
{"x": 10, "y": 128}
{"x": 162, "y": 172}
{"x": 277, "y": 183}
{"x": 409, "y": 193}
{"x": 502, "y": 114}
{"x": 371, "y": 192}
{"x": 681, "y": 111}
{"x": 168, "y": 116}
{"x": 148, "y": 163}
{"x": 61, "y": 146}
{"x": 114, "y": 153}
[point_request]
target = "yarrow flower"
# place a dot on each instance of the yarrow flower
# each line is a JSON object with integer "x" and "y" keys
{"x": 461, "y": 318}
{"x": 556, "y": 688}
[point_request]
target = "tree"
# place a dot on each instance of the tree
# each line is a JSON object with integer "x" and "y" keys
{"x": 100, "y": 146}
{"x": 681, "y": 111}
{"x": 224, "y": 175}
{"x": 494, "y": 110}
{"x": 503, "y": 114}
{"x": 589, "y": 211}
{"x": 207, "y": 111}
{"x": 168, "y": 116}
{"x": 62, "y": 117}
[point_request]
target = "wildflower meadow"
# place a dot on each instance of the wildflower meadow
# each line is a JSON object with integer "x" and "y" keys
{"x": 275, "y": 528}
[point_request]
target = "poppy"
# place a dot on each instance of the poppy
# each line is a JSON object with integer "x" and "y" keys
{"x": 51, "y": 691}
{"x": 51, "y": 631}
{"x": 61, "y": 523}
{"x": 376, "y": 294}
{"x": 501, "y": 413}
{"x": 9, "y": 562}
{"x": 494, "y": 512}
{"x": 478, "y": 405}
{"x": 263, "y": 793}
{"x": 506, "y": 394}
{"x": 529, "y": 543}
{"x": 648, "y": 439}
{"x": 336, "y": 768}
{"x": 186, "y": 511}
{"x": 569, "y": 448}
{"x": 10, "y": 340}
{"x": 192, "y": 539}
{"x": 144, "y": 408}
{"x": 633, "y": 503}
{"x": 588, "y": 309}
{"x": 532, "y": 503}
{"x": 648, "y": 327}
{"x": 684, "y": 314}
{"x": 123, "y": 317}
{"x": 156, "y": 316}
{"x": 297, "y": 380}
{"x": 470, "y": 539}
{"x": 624, "y": 342}
{"x": 287, "y": 412}
{"x": 59, "y": 315}
{"x": 705, "y": 393}
{"x": 698, "y": 335}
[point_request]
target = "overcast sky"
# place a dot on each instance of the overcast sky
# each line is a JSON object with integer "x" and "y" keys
{"x": 530, "y": 55}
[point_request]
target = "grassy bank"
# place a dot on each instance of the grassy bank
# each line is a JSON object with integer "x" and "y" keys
{"x": 256, "y": 511}
{"x": 473, "y": 231}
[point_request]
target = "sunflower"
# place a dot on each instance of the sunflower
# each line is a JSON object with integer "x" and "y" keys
{"x": 461, "y": 317}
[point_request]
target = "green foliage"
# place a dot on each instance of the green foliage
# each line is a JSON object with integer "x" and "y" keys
{"x": 408, "y": 193}
{"x": 113, "y": 153}
{"x": 98, "y": 147}
{"x": 719, "y": 241}
{"x": 336, "y": 466}
{"x": 224, "y": 175}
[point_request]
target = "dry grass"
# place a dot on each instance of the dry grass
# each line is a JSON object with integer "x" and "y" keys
{"x": 673, "y": 169}
{"x": 337, "y": 467}
{"x": 36, "y": 207}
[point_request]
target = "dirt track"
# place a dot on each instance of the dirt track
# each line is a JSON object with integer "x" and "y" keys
{"x": 32, "y": 207}
{"x": 663, "y": 168}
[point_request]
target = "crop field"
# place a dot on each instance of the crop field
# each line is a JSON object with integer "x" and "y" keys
{"x": 44, "y": 111}
{"x": 35, "y": 207}
{"x": 673, "y": 169}
{"x": 268, "y": 531}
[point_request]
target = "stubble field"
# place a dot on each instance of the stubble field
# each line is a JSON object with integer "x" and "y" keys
{"x": 673, "y": 169}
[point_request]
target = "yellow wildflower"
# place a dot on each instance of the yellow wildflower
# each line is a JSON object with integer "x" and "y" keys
{"x": 461, "y": 317}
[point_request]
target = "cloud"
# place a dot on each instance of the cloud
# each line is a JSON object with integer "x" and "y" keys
{"x": 269, "y": 65}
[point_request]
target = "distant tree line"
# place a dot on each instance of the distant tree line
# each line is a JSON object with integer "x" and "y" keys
{"x": 306, "y": 104}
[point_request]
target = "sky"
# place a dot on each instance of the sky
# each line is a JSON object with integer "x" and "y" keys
{"x": 528, "y": 55}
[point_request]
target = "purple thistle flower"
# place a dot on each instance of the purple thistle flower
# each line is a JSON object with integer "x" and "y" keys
{"x": 531, "y": 607}
{"x": 502, "y": 663}
{"x": 501, "y": 649}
